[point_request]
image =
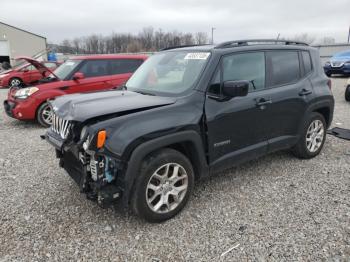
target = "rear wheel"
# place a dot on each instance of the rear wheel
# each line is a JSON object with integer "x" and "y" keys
{"x": 312, "y": 137}
{"x": 163, "y": 186}
{"x": 347, "y": 93}
{"x": 15, "y": 82}
{"x": 44, "y": 115}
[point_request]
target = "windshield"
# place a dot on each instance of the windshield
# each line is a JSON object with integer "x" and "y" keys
{"x": 66, "y": 68}
{"x": 169, "y": 72}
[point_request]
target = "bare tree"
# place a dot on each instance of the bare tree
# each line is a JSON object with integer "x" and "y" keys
{"x": 304, "y": 37}
{"x": 327, "y": 40}
{"x": 201, "y": 38}
{"x": 147, "y": 40}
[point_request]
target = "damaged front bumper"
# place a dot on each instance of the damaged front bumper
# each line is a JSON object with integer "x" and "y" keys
{"x": 97, "y": 174}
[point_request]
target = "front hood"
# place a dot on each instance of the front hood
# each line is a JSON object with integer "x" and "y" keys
{"x": 39, "y": 66}
{"x": 80, "y": 107}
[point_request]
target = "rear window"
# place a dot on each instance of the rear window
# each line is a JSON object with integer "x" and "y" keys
{"x": 284, "y": 67}
{"x": 122, "y": 66}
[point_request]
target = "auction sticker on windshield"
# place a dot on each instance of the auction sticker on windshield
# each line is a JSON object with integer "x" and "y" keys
{"x": 197, "y": 56}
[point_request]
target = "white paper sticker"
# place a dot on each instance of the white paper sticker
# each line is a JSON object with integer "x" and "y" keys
{"x": 197, "y": 56}
{"x": 70, "y": 63}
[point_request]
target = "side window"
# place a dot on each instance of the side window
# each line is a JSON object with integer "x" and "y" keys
{"x": 307, "y": 62}
{"x": 29, "y": 68}
{"x": 50, "y": 65}
{"x": 94, "y": 68}
{"x": 246, "y": 66}
{"x": 283, "y": 68}
{"x": 122, "y": 66}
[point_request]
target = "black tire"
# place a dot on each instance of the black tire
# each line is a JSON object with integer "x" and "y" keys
{"x": 149, "y": 166}
{"x": 15, "y": 81}
{"x": 301, "y": 150}
{"x": 347, "y": 93}
{"x": 40, "y": 115}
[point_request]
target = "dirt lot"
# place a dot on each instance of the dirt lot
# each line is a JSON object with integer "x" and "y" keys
{"x": 275, "y": 208}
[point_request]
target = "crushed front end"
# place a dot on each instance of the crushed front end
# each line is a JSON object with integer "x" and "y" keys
{"x": 95, "y": 170}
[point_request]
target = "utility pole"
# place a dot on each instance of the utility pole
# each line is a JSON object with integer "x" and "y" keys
{"x": 349, "y": 35}
{"x": 212, "y": 35}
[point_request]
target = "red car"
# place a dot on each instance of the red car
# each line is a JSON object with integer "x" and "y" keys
{"x": 76, "y": 75}
{"x": 26, "y": 73}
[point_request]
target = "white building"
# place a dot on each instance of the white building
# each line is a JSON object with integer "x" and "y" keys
{"x": 327, "y": 51}
{"x": 18, "y": 42}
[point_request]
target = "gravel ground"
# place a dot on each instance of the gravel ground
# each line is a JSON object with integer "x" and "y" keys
{"x": 272, "y": 209}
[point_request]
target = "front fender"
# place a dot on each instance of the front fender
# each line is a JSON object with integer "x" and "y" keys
{"x": 141, "y": 151}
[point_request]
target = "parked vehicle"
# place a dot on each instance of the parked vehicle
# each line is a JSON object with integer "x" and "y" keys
{"x": 26, "y": 73}
{"x": 188, "y": 113}
{"x": 77, "y": 75}
{"x": 339, "y": 64}
{"x": 347, "y": 91}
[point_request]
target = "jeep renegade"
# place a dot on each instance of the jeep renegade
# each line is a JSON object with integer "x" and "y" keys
{"x": 190, "y": 112}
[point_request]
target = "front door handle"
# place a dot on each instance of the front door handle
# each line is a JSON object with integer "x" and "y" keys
{"x": 305, "y": 92}
{"x": 262, "y": 102}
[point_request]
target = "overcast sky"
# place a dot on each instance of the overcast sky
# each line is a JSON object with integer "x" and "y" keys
{"x": 57, "y": 20}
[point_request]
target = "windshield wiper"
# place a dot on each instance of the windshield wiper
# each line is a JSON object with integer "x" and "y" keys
{"x": 143, "y": 93}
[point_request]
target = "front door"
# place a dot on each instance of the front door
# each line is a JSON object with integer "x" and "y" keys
{"x": 96, "y": 77}
{"x": 236, "y": 128}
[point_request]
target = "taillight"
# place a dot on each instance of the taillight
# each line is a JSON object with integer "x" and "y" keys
{"x": 329, "y": 83}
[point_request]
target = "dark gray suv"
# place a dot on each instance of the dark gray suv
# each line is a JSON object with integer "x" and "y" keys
{"x": 190, "y": 112}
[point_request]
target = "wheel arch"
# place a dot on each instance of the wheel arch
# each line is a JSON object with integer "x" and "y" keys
{"x": 187, "y": 142}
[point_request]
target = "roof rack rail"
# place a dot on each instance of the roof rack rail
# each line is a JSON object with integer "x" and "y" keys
{"x": 180, "y": 46}
{"x": 238, "y": 43}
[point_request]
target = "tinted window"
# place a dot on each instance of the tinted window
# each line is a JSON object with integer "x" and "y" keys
{"x": 283, "y": 67}
{"x": 94, "y": 68}
{"x": 122, "y": 66}
{"x": 247, "y": 66}
{"x": 307, "y": 62}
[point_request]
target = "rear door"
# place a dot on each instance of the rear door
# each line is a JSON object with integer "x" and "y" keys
{"x": 290, "y": 91}
{"x": 122, "y": 69}
{"x": 237, "y": 127}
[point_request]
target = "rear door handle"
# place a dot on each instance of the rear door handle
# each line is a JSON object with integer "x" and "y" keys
{"x": 263, "y": 102}
{"x": 305, "y": 92}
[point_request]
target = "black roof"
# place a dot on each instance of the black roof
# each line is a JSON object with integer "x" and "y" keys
{"x": 22, "y": 30}
{"x": 241, "y": 43}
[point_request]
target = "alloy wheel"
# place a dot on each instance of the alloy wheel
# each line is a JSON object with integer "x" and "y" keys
{"x": 315, "y": 136}
{"x": 15, "y": 82}
{"x": 166, "y": 188}
{"x": 47, "y": 115}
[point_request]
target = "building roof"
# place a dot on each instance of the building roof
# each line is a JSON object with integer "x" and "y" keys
{"x": 22, "y": 30}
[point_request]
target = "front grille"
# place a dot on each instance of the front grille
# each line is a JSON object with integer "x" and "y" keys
{"x": 337, "y": 64}
{"x": 60, "y": 126}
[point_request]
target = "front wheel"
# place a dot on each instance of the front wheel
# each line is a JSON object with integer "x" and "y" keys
{"x": 15, "y": 82}
{"x": 347, "y": 93}
{"x": 163, "y": 186}
{"x": 44, "y": 115}
{"x": 312, "y": 137}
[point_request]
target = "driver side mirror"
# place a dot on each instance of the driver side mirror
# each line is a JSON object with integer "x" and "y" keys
{"x": 235, "y": 88}
{"x": 77, "y": 76}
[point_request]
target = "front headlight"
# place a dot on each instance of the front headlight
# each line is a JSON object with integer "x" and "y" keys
{"x": 347, "y": 63}
{"x": 327, "y": 63}
{"x": 26, "y": 92}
